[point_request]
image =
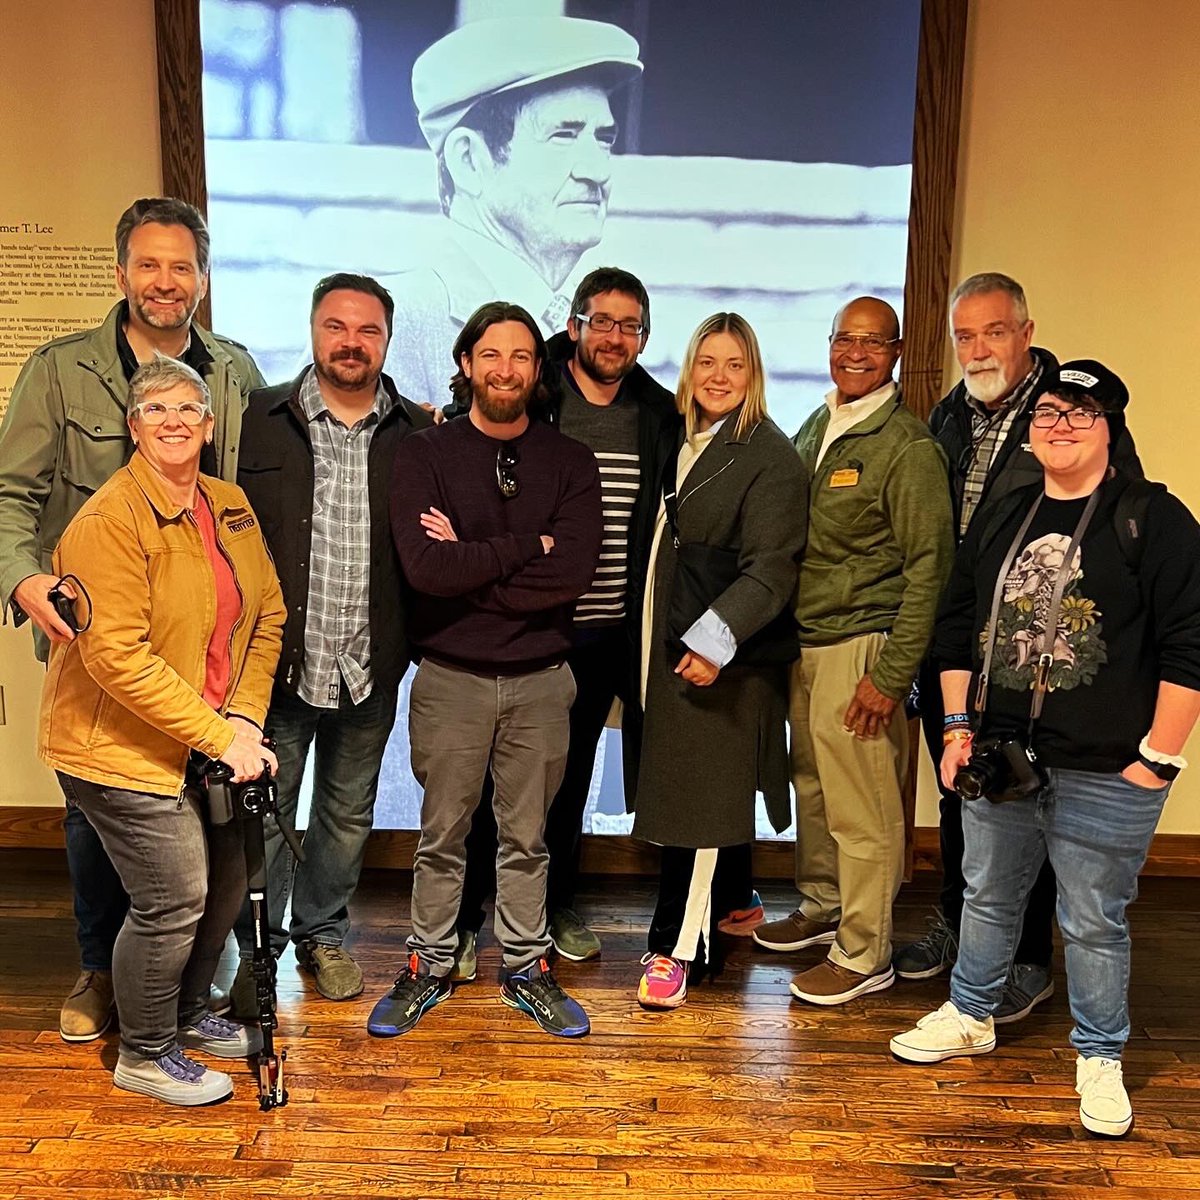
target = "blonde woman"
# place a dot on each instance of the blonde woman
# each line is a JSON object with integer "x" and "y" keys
{"x": 714, "y": 692}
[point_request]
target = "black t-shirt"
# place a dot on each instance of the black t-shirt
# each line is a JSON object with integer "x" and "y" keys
{"x": 1120, "y": 630}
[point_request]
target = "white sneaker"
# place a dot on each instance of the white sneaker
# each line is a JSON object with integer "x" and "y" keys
{"x": 1103, "y": 1102}
{"x": 172, "y": 1077}
{"x": 946, "y": 1033}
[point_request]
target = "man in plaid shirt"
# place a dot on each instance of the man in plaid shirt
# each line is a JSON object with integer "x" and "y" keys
{"x": 316, "y": 462}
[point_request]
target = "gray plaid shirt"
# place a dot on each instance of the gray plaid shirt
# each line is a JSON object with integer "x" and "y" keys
{"x": 337, "y": 634}
{"x": 988, "y": 432}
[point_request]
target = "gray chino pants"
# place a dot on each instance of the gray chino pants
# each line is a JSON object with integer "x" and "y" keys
{"x": 459, "y": 723}
{"x": 186, "y": 881}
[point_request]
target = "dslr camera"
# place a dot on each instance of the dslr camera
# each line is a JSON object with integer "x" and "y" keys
{"x": 1002, "y": 769}
{"x": 228, "y": 800}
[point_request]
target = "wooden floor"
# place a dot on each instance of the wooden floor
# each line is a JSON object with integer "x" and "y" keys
{"x": 743, "y": 1092}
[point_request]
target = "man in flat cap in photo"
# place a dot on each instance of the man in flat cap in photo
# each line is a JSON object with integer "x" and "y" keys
{"x": 517, "y": 112}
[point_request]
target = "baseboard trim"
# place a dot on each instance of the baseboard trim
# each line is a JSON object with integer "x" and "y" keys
{"x": 27, "y": 827}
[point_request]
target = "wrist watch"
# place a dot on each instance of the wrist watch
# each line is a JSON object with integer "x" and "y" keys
{"x": 1165, "y": 771}
{"x": 1165, "y": 766}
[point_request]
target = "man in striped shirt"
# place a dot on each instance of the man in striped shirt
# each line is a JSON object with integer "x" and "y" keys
{"x": 600, "y": 396}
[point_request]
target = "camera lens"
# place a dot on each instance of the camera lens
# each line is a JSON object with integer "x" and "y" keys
{"x": 253, "y": 798}
{"x": 969, "y": 784}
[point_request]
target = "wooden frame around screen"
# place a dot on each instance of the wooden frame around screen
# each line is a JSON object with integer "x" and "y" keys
{"x": 926, "y": 285}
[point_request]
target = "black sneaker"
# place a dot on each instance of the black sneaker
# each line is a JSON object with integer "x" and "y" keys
{"x": 1026, "y": 987}
{"x": 930, "y": 956}
{"x": 533, "y": 990}
{"x": 412, "y": 996}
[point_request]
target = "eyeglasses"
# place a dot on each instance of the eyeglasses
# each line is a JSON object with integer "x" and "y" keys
{"x": 507, "y": 458}
{"x": 1046, "y": 417}
{"x": 993, "y": 335}
{"x": 190, "y": 412}
{"x": 872, "y": 343}
{"x": 600, "y": 324}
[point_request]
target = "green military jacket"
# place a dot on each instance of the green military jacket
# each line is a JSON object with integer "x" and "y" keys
{"x": 65, "y": 434}
{"x": 880, "y": 538}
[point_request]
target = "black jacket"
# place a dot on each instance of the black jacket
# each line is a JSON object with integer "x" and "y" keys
{"x": 275, "y": 469}
{"x": 1015, "y": 466}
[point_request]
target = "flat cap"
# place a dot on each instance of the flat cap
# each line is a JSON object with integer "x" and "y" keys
{"x": 482, "y": 58}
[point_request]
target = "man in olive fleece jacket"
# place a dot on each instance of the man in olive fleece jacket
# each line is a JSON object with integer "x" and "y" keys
{"x": 879, "y": 549}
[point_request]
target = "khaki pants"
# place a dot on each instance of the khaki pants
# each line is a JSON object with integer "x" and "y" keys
{"x": 849, "y": 814}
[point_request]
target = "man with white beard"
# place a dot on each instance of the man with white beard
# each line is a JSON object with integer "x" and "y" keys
{"x": 983, "y": 426}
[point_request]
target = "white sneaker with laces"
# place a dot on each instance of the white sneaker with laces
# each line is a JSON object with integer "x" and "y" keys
{"x": 945, "y": 1033}
{"x": 1103, "y": 1102}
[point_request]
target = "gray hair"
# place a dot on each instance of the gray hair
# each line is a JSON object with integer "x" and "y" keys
{"x": 164, "y": 210}
{"x": 161, "y": 374}
{"x": 992, "y": 281}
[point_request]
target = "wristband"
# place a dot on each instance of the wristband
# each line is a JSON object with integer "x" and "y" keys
{"x": 956, "y": 735}
{"x": 1145, "y": 750}
{"x": 956, "y": 719}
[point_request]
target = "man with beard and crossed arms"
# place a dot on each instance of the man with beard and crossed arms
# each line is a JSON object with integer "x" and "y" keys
{"x": 497, "y": 520}
{"x": 598, "y": 394}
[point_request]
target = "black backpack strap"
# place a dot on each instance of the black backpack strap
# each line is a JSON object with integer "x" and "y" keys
{"x": 1129, "y": 516}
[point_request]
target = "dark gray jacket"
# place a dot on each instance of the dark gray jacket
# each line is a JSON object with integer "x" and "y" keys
{"x": 704, "y": 752}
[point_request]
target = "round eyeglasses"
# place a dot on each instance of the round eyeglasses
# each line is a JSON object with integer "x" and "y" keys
{"x": 154, "y": 412}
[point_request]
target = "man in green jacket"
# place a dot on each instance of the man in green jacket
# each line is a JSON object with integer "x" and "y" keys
{"x": 879, "y": 548}
{"x": 63, "y": 435}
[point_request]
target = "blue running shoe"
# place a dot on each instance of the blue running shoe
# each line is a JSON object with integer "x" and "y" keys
{"x": 412, "y": 996}
{"x": 533, "y": 990}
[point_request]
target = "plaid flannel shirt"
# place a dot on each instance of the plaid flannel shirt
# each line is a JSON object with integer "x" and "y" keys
{"x": 337, "y": 633}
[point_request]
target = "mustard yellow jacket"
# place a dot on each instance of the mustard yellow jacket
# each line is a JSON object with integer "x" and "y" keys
{"x": 123, "y": 702}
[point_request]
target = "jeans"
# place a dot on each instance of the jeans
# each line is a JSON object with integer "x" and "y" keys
{"x": 350, "y": 741}
{"x": 185, "y": 881}
{"x": 100, "y": 900}
{"x": 1096, "y": 830}
{"x": 600, "y": 666}
{"x": 1036, "y": 944}
{"x": 459, "y": 723}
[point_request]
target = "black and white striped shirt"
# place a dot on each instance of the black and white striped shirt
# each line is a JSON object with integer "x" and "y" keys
{"x": 611, "y": 433}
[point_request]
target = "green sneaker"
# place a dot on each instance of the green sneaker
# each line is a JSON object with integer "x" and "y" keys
{"x": 466, "y": 962}
{"x": 571, "y": 937}
{"x": 338, "y": 976}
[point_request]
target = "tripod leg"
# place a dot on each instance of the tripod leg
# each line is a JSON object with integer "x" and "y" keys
{"x": 269, "y": 1065}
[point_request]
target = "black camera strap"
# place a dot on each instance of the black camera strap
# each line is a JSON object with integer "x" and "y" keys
{"x": 1041, "y": 678}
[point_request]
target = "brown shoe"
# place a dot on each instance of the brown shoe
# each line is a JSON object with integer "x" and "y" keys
{"x": 88, "y": 1011}
{"x": 829, "y": 983}
{"x": 794, "y": 932}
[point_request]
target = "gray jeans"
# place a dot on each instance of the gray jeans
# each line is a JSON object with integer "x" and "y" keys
{"x": 458, "y": 723}
{"x": 186, "y": 881}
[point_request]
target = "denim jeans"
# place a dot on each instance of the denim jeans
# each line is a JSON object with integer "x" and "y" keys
{"x": 100, "y": 900}
{"x": 350, "y": 741}
{"x": 185, "y": 881}
{"x": 1036, "y": 944}
{"x": 1096, "y": 829}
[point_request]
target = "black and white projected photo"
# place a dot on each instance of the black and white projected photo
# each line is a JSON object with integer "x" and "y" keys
{"x": 752, "y": 156}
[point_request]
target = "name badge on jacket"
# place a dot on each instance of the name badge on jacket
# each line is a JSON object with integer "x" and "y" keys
{"x": 844, "y": 477}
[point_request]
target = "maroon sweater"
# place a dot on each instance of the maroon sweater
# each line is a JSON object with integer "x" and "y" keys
{"x": 493, "y": 602}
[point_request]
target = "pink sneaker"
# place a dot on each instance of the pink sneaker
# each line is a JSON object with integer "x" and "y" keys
{"x": 742, "y": 922}
{"x": 664, "y": 982}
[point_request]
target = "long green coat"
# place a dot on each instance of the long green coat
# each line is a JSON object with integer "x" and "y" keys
{"x": 706, "y": 751}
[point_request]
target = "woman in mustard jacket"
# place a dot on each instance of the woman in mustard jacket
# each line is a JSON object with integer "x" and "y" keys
{"x": 182, "y": 620}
